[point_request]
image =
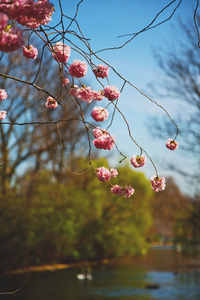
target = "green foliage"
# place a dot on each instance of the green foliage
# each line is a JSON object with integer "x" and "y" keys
{"x": 47, "y": 221}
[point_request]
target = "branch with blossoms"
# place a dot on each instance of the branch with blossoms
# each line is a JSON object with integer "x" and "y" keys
{"x": 28, "y": 17}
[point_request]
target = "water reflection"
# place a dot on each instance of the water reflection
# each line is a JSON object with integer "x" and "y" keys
{"x": 171, "y": 275}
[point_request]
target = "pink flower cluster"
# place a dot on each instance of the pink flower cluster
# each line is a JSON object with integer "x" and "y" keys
{"x": 158, "y": 184}
{"x": 26, "y": 12}
{"x": 74, "y": 91}
{"x": 4, "y": 20}
{"x": 30, "y": 52}
{"x": 138, "y": 161}
{"x": 65, "y": 81}
{"x": 11, "y": 39}
{"x": 128, "y": 191}
{"x": 78, "y": 68}
{"x": 85, "y": 93}
{"x": 111, "y": 92}
{"x": 29, "y": 12}
{"x": 51, "y": 103}
{"x": 101, "y": 71}
{"x": 171, "y": 144}
{"x": 2, "y": 114}
{"x": 99, "y": 114}
{"x": 61, "y": 52}
{"x": 103, "y": 140}
{"x": 98, "y": 96}
{"x": 104, "y": 174}
{"x": 3, "y": 94}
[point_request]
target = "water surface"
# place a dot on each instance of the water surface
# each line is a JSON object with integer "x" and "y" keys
{"x": 161, "y": 274}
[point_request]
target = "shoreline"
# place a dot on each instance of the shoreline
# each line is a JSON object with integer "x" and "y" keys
{"x": 141, "y": 259}
{"x": 55, "y": 267}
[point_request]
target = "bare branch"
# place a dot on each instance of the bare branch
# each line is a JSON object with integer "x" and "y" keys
{"x": 17, "y": 290}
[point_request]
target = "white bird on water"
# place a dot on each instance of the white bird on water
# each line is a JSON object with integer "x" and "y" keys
{"x": 89, "y": 273}
{"x": 83, "y": 275}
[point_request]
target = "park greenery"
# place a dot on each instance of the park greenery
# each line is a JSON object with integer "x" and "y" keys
{"x": 45, "y": 220}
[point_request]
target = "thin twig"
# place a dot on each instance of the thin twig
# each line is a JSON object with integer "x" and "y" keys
{"x": 195, "y": 23}
{"x": 17, "y": 290}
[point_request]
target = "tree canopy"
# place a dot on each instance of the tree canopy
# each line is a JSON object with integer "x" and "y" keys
{"x": 73, "y": 219}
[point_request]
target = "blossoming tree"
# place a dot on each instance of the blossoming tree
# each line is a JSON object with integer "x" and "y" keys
{"x": 20, "y": 21}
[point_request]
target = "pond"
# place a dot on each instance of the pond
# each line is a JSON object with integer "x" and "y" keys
{"x": 163, "y": 274}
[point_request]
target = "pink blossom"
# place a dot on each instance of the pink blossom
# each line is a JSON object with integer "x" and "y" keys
{"x": 35, "y": 13}
{"x": 101, "y": 71}
{"x": 103, "y": 174}
{"x": 11, "y": 39}
{"x": 158, "y": 184}
{"x": 51, "y": 103}
{"x": 111, "y": 92}
{"x": 2, "y": 114}
{"x": 103, "y": 140}
{"x": 78, "y": 68}
{"x": 85, "y": 94}
{"x": 74, "y": 91}
{"x": 3, "y": 94}
{"x": 30, "y": 52}
{"x": 97, "y": 132}
{"x": 114, "y": 172}
{"x": 61, "y": 52}
{"x": 12, "y": 8}
{"x": 138, "y": 161}
{"x": 65, "y": 81}
{"x": 97, "y": 96}
{"x": 129, "y": 191}
{"x": 171, "y": 144}
{"x": 4, "y": 19}
{"x": 29, "y": 12}
{"x": 118, "y": 190}
{"x": 99, "y": 114}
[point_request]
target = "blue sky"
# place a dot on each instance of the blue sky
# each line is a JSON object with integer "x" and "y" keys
{"x": 102, "y": 22}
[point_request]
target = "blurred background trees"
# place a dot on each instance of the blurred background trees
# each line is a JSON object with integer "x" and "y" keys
{"x": 180, "y": 83}
{"x": 73, "y": 220}
{"x": 47, "y": 221}
{"x": 36, "y": 145}
{"x": 180, "y": 67}
{"x": 168, "y": 209}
